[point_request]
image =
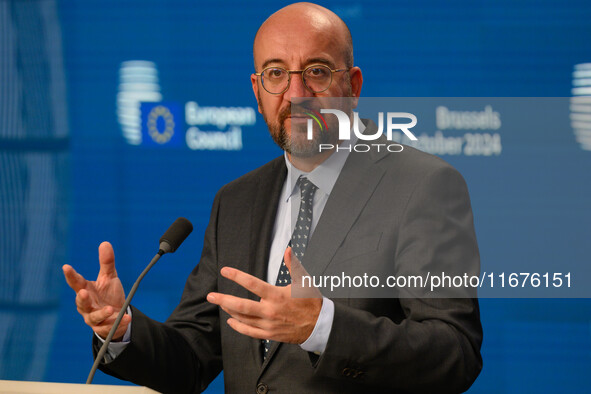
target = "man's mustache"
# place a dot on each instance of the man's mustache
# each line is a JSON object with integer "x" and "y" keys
{"x": 297, "y": 110}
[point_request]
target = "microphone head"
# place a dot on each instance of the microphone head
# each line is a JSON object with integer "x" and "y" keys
{"x": 175, "y": 235}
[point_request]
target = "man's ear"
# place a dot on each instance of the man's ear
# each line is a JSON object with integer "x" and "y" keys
{"x": 255, "y": 89}
{"x": 356, "y": 83}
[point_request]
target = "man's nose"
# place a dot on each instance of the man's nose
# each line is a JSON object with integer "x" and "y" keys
{"x": 297, "y": 88}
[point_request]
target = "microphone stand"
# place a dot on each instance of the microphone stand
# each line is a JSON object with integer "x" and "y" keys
{"x": 105, "y": 346}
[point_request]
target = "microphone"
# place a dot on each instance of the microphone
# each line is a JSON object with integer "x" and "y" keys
{"x": 175, "y": 235}
{"x": 169, "y": 243}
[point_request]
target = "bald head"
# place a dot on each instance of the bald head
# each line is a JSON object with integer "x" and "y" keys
{"x": 304, "y": 21}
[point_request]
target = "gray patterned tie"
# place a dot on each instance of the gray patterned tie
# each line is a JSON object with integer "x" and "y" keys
{"x": 299, "y": 238}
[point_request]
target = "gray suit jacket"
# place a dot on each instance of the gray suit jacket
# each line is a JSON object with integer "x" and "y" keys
{"x": 408, "y": 210}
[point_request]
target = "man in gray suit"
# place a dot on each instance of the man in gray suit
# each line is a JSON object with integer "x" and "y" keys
{"x": 406, "y": 210}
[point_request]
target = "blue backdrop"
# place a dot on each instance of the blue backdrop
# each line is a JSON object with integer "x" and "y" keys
{"x": 530, "y": 201}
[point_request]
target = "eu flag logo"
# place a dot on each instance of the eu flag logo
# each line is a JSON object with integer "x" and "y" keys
{"x": 161, "y": 124}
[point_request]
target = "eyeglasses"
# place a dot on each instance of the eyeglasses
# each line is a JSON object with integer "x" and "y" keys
{"x": 316, "y": 78}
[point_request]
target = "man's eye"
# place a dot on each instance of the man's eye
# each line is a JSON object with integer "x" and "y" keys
{"x": 275, "y": 73}
{"x": 317, "y": 72}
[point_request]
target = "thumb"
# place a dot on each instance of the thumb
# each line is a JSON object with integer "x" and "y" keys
{"x": 107, "y": 260}
{"x": 293, "y": 264}
{"x": 287, "y": 258}
{"x": 297, "y": 272}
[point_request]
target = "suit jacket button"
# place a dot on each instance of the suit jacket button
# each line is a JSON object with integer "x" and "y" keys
{"x": 262, "y": 388}
{"x": 347, "y": 372}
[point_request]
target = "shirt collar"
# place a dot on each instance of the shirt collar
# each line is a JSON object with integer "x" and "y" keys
{"x": 325, "y": 175}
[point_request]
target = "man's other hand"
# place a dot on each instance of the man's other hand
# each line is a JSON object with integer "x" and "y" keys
{"x": 277, "y": 316}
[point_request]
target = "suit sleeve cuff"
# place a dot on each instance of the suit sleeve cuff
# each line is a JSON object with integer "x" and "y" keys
{"x": 316, "y": 342}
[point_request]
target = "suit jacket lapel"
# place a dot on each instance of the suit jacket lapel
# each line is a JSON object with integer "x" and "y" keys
{"x": 263, "y": 215}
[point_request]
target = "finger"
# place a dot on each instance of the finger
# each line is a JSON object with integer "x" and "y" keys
{"x": 107, "y": 260}
{"x": 125, "y": 321}
{"x": 237, "y": 304}
{"x": 74, "y": 279}
{"x": 103, "y": 328}
{"x": 95, "y": 318}
{"x": 249, "y": 282}
{"x": 297, "y": 272}
{"x": 110, "y": 319}
{"x": 250, "y": 320}
{"x": 83, "y": 301}
{"x": 287, "y": 258}
{"x": 246, "y": 329}
{"x": 296, "y": 269}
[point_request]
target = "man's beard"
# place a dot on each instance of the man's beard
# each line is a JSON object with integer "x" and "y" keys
{"x": 296, "y": 142}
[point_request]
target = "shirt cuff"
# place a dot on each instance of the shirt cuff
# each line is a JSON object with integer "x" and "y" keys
{"x": 116, "y": 348}
{"x": 316, "y": 342}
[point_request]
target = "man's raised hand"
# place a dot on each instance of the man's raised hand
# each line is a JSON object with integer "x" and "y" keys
{"x": 100, "y": 301}
{"x": 278, "y": 315}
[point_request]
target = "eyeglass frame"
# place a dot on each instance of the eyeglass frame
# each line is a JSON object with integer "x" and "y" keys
{"x": 301, "y": 72}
